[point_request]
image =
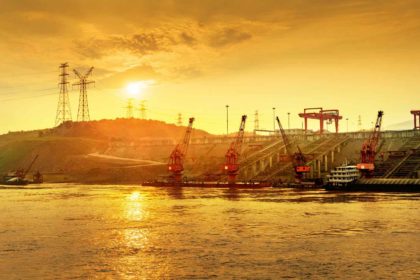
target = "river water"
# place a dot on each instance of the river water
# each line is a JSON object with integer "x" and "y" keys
{"x": 134, "y": 232}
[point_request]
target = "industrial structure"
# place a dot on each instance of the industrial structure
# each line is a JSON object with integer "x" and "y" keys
{"x": 129, "y": 109}
{"x": 416, "y": 115}
{"x": 83, "y": 111}
{"x": 18, "y": 177}
{"x": 369, "y": 149}
{"x": 179, "y": 119}
{"x": 298, "y": 159}
{"x": 63, "y": 109}
{"x": 176, "y": 159}
{"x": 143, "y": 110}
{"x": 322, "y": 115}
{"x": 231, "y": 166}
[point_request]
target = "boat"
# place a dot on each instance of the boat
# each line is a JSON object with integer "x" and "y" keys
{"x": 347, "y": 178}
{"x": 18, "y": 177}
{"x": 14, "y": 180}
{"x": 342, "y": 176}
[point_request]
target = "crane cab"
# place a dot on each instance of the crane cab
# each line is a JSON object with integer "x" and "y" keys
{"x": 303, "y": 169}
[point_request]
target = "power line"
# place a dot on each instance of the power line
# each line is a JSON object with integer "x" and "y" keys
{"x": 27, "y": 97}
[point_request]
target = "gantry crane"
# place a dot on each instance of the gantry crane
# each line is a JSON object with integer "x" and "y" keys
{"x": 368, "y": 151}
{"x": 231, "y": 166}
{"x": 176, "y": 159}
{"x": 298, "y": 158}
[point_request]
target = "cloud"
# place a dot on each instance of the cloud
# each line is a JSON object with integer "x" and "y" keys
{"x": 140, "y": 72}
{"x": 228, "y": 36}
{"x": 139, "y": 43}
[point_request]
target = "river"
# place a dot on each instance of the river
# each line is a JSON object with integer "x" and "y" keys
{"x": 133, "y": 232}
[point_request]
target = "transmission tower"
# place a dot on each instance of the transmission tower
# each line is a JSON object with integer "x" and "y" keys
{"x": 256, "y": 121}
{"x": 179, "y": 120}
{"x": 143, "y": 109}
{"x": 359, "y": 122}
{"x": 83, "y": 112}
{"x": 129, "y": 108}
{"x": 63, "y": 108}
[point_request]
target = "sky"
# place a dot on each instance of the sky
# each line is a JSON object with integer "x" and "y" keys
{"x": 195, "y": 57}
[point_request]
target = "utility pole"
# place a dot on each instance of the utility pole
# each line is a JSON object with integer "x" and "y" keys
{"x": 83, "y": 112}
{"x": 359, "y": 122}
{"x": 288, "y": 121}
{"x": 347, "y": 122}
{"x": 227, "y": 120}
{"x": 130, "y": 107}
{"x": 63, "y": 108}
{"x": 256, "y": 121}
{"x": 274, "y": 119}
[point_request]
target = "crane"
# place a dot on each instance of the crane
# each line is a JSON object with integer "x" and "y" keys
{"x": 232, "y": 155}
{"x": 176, "y": 159}
{"x": 298, "y": 158}
{"x": 368, "y": 151}
{"x": 21, "y": 173}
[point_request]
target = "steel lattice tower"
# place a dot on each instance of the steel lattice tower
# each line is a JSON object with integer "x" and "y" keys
{"x": 130, "y": 107}
{"x": 179, "y": 119}
{"x": 63, "y": 108}
{"x": 83, "y": 112}
{"x": 256, "y": 121}
{"x": 143, "y": 109}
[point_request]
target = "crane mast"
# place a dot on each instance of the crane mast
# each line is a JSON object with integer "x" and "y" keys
{"x": 176, "y": 159}
{"x": 298, "y": 158}
{"x": 232, "y": 155}
{"x": 368, "y": 151}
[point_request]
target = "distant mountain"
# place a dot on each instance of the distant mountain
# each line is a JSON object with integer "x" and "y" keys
{"x": 124, "y": 129}
{"x": 400, "y": 126}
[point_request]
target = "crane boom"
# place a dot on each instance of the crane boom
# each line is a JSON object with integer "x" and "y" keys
{"x": 30, "y": 166}
{"x": 285, "y": 139}
{"x": 368, "y": 151}
{"x": 176, "y": 159}
{"x": 187, "y": 137}
{"x": 298, "y": 158}
{"x": 232, "y": 155}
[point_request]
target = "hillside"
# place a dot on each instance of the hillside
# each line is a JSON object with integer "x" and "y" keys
{"x": 72, "y": 151}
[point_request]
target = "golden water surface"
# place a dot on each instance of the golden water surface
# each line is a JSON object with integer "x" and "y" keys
{"x": 134, "y": 232}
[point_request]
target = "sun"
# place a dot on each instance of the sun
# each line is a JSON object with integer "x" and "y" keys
{"x": 134, "y": 89}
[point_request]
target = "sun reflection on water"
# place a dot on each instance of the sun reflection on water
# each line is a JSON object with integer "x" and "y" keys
{"x": 134, "y": 207}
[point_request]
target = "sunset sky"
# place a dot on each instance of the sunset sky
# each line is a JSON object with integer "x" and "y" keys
{"x": 194, "y": 57}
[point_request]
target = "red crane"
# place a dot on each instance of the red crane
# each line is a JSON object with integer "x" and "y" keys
{"x": 298, "y": 158}
{"x": 232, "y": 155}
{"x": 176, "y": 159}
{"x": 368, "y": 151}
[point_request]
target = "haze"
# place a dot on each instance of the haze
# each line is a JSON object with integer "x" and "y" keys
{"x": 198, "y": 56}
